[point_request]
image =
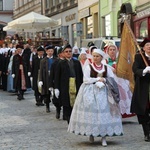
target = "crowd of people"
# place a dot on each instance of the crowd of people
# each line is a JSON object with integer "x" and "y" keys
{"x": 82, "y": 82}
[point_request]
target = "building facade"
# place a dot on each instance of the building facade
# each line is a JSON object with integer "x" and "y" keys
{"x": 89, "y": 15}
{"x": 112, "y": 14}
{"x": 142, "y": 19}
{"x": 66, "y": 13}
{"x": 22, "y": 7}
{"x": 6, "y": 13}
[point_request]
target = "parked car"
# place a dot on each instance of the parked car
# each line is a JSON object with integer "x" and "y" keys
{"x": 102, "y": 42}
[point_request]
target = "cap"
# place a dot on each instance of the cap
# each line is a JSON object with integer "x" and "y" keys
{"x": 49, "y": 47}
{"x": 40, "y": 49}
{"x": 146, "y": 40}
{"x": 19, "y": 46}
{"x": 60, "y": 50}
{"x": 99, "y": 52}
{"x": 67, "y": 46}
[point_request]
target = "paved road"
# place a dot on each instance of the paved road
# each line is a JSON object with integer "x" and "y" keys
{"x": 24, "y": 126}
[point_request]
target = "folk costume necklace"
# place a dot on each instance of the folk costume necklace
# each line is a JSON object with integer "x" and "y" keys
{"x": 98, "y": 67}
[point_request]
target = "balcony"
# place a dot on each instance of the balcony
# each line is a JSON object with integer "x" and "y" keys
{"x": 58, "y": 6}
{"x": 53, "y": 9}
{"x": 65, "y": 4}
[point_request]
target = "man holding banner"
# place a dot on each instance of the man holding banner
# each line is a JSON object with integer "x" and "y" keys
{"x": 135, "y": 67}
{"x": 141, "y": 94}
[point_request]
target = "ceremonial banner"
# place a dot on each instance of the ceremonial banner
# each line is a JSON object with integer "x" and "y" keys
{"x": 126, "y": 55}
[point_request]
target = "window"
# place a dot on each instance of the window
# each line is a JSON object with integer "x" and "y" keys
{"x": 74, "y": 34}
{"x": 144, "y": 29}
{"x": 1, "y": 4}
{"x": 54, "y": 2}
{"x": 89, "y": 27}
{"x": 107, "y": 25}
{"x": 47, "y": 3}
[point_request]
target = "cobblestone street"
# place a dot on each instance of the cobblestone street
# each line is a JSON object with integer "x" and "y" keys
{"x": 24, "y": 126}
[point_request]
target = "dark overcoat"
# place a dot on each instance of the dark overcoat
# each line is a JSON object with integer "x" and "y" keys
{"x": 141, "y": 88}
{"x": 52, "y": 78}
{"x": 62, "y": 79}
{"x": 35, "y": 71}
{"x": 44, "y": 75}
{"x": 26, "y": 68}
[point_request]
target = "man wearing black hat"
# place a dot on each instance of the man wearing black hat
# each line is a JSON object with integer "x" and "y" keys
{"x": 44, "y": 76}
{"x": 21, "y": 72}
{"x": 56, "y": 101}
{"x": 141, "y": 95}
{"x": 35, "y": 74}
{"x": 68, "y": 79}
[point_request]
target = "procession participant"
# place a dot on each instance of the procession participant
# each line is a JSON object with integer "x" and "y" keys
{"x": 68, "y": 79}
{"x": 83, "y": 58}
{"x": 75, "y": 52}
{"x": 35, "y": 75}
{"x": 141, "y": 95}
{"x": 123, "y": 84}
{"x": 44, "y": 76}
{"x": 9, "y": 78}
{"x": 21, "y": 72}
{"x": 33, "y": 54}
{"x": 96, "y": 112}
{"x": 56, "y": 101}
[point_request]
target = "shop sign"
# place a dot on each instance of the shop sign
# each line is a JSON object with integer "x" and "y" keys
{"x": 70, "y": 17}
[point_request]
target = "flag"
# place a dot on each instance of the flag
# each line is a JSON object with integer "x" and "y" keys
{"x": 126, "y": 55}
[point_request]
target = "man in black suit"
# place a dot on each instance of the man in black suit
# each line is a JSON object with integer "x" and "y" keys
{"x": 44, "y": 76}
{"x": 141, "y": 94}
{"x": 56, "y": 101}
{"x": 67, "y": 69}
{"x": 35, "y": 75}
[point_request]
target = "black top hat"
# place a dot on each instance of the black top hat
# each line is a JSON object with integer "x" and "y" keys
{"x": 146, "y": 40}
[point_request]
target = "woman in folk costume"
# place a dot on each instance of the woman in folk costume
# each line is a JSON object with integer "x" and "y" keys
{"x": 123, "y": 84}
{"x": 89, "y": 54}
{"x": 83, "y": 58}
{"x": 75, "y": 52}
{"x": 96, "y": 112}
{"x": 141, "y": 94}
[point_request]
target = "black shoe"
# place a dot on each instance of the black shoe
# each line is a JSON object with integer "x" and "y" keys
{"x": 147, "y": 138}
{"x": 41, "y": 104}
{"x": 20, "y": 97}
{"x": 37, "y": 104}
{"x": 68, "y": 120}
{"x": 47, "y": 110}
{"x": 64, "y": 117}
{"x": 57, "y": 114}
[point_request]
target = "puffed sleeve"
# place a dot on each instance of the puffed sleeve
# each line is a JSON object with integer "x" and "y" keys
{"x": 87, "y": 79}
